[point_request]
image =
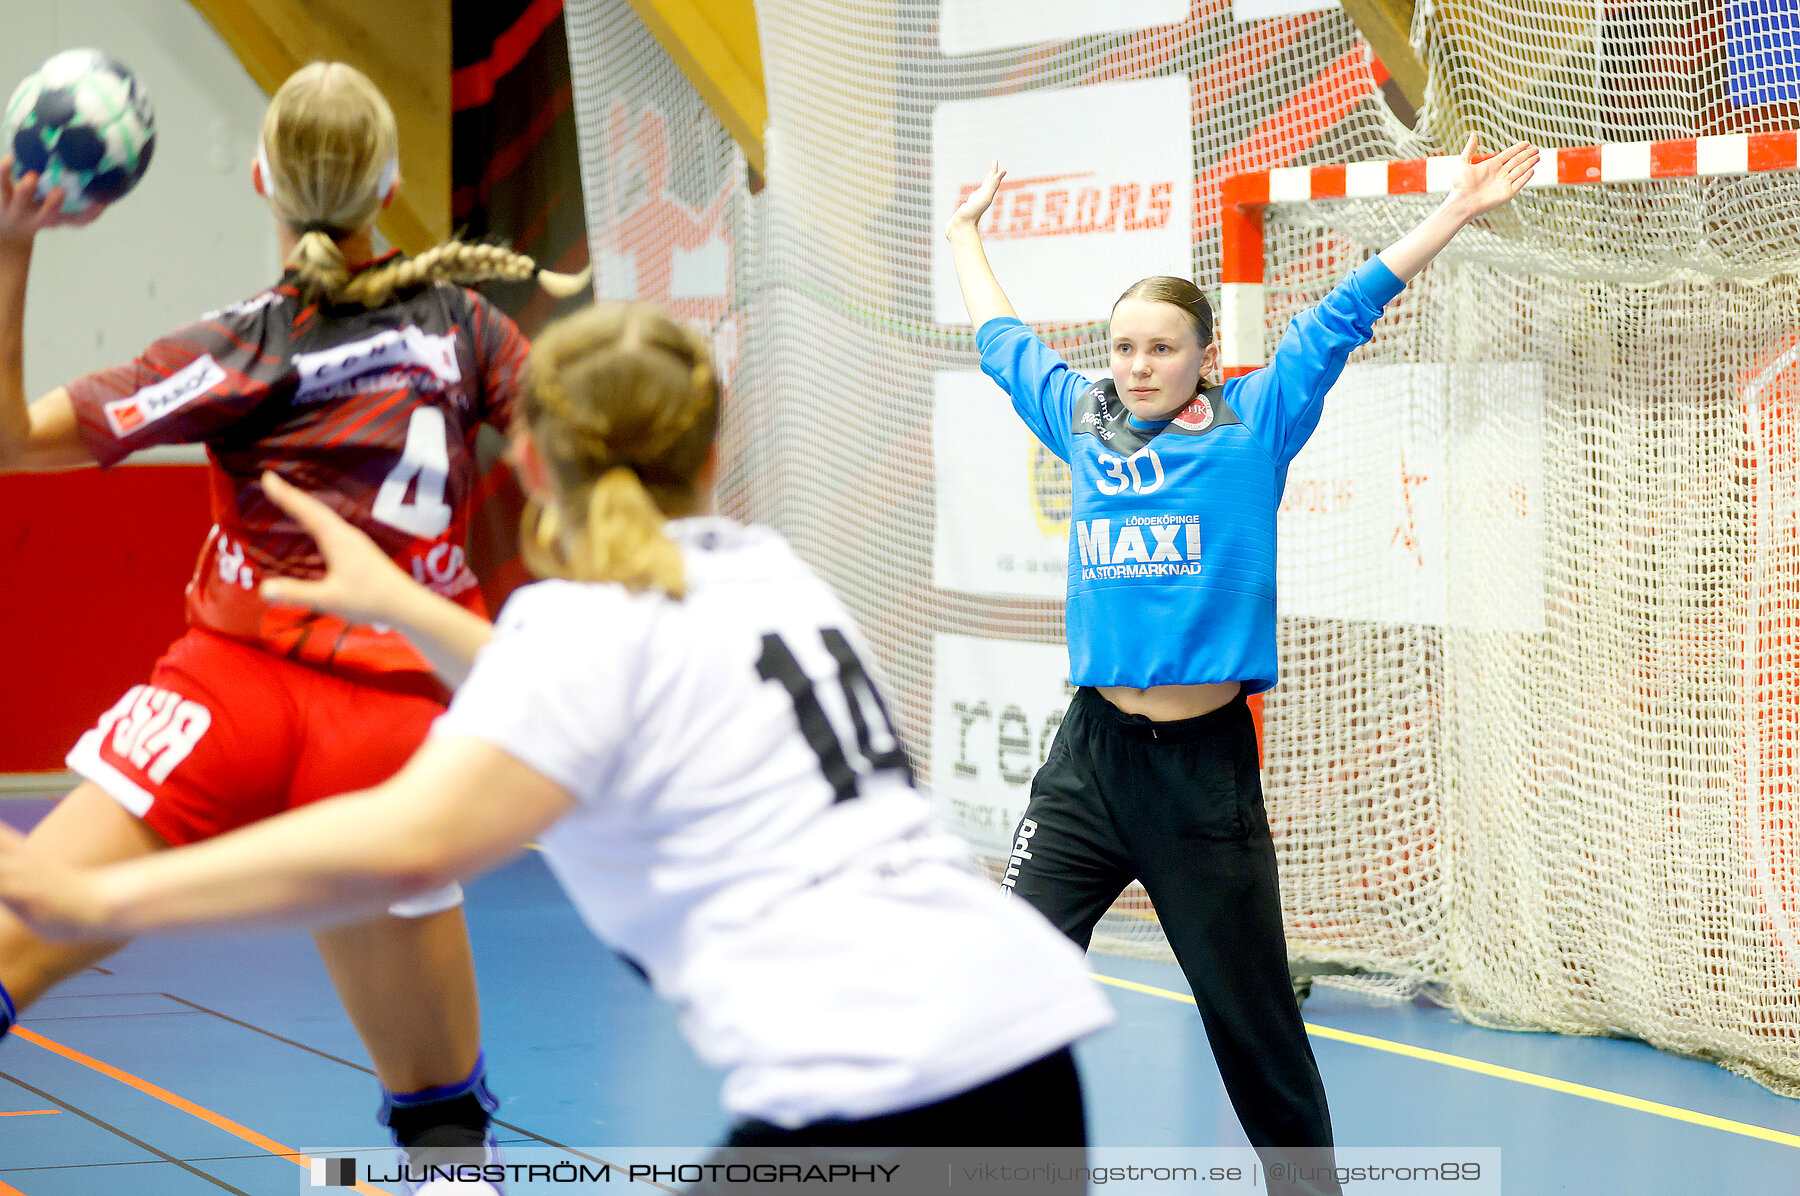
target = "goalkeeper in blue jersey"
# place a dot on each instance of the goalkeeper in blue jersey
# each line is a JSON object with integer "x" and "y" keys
{"x": 1154, "y": 774}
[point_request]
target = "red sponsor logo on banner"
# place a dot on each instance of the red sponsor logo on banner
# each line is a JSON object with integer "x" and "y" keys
{"x": 655, "y": 245}
{"x": 1061, "y": 205}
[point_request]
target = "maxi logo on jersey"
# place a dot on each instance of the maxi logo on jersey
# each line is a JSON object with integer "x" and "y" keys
{"x": 1129, "y": 544}
{"x": 1173, "y": 549}
{"x": 343, "y": 368}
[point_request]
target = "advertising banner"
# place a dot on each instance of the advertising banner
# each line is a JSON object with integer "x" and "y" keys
{"x": 995, "y": 708}
{"x": 971, "y": 26}
{"x": 1002, "y": 497}
{"x": 1393, "y": 496}
{"x": 1086, "y": 209}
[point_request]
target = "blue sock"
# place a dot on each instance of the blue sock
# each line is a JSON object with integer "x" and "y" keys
{"x": 8, "y": 1014}
{"x": 466, "y": 1106}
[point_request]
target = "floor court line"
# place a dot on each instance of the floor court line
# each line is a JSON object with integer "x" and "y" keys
{"x": 256, "y": 1029}
{"x": 354, "y": 1066}
{"x": 216, "y": 1120}
{"x": 1673, "y": 1112}
{"x": 244, "y": 1132}
{"x": 110, "y": 1128}
{"x": 29, "y": 1113}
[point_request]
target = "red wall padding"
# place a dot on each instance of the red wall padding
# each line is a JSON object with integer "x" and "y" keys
{"x": 92, "y": 568}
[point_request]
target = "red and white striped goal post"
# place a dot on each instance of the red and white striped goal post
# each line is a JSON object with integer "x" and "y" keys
{"x": 1245, "y": 197}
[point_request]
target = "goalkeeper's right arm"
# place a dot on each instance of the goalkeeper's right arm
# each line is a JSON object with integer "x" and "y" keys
{"x": 980, "y": 289}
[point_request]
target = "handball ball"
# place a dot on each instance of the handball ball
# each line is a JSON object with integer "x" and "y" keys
{"x": 82, "y": 123}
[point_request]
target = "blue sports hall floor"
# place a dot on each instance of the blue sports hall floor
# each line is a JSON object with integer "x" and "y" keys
{"x": 192, "y": 1065}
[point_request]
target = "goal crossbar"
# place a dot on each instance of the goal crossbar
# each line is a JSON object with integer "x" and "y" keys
{"x": 1244, "y": 198}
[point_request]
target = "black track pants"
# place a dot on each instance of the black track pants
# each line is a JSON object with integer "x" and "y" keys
{"x": 1178, "y": 806}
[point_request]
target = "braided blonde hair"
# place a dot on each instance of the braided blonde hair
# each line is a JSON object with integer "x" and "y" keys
{"x": 329, "y": 154}
{"x": 623, "y": 403}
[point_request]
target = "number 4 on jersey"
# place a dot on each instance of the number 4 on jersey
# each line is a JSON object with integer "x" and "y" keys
{"x": 868, "y": 714}
{"x": 425, "y": 460}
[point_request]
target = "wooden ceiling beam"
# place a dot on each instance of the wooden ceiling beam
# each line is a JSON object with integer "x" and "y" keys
{"x": 715, "y": 44}
{"x": 1387, "y": 26}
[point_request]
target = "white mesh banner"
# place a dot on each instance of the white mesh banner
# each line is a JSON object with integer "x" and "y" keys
{"x": 996, "y": 708}
{"x": 1398, "y": 501}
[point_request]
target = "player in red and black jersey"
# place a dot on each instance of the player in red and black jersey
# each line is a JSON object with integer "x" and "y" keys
{"x": 377, "y": 408}
{"x": 363, "y": 379}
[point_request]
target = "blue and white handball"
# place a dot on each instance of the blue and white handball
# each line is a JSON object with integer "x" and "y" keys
{"x": 82, "y": 123}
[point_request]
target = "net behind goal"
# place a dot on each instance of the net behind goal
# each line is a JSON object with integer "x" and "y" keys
{"x": 1536, "y": 737}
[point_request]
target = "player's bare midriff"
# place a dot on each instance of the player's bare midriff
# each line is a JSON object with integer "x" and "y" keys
{"x": 1167, "y": 703}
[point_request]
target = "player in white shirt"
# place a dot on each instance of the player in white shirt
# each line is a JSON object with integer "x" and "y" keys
{"x": 683, "y": 719}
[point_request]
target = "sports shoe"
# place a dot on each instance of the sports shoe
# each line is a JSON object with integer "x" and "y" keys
{"x": 446, "y": 1147}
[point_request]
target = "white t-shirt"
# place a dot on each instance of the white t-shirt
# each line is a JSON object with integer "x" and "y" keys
{"x": 747, "y": 832}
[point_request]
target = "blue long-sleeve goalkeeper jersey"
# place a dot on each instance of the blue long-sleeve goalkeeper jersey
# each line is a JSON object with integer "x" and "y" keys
{"x": 1172, "y": 525}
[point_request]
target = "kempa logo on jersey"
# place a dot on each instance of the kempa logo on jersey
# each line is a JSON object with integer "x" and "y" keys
{"x": 1096, "y": 422}
{"x": 1172, "y": 551}
{"x": 1061, "y": 205}
{"x": 393, "y": 349}
{"x": 150, "y": 404}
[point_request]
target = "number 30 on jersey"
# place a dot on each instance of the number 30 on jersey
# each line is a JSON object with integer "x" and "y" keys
{"x": 1140, "y": 473}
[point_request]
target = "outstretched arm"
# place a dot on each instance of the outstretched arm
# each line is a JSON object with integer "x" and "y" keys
{"x": 364, "y": 585}
{"x": 40, "y": 435}
{"x": 1281, "y": 402}
{"x": 458, "y": 807}
{"x": 1480, "y": 187}
{"x": 981, "y": 290}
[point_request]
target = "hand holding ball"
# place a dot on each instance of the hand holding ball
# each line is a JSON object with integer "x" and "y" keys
{"x": 80, "y": 122}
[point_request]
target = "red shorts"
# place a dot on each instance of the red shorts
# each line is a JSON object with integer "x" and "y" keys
{"x": 226, "y": 734}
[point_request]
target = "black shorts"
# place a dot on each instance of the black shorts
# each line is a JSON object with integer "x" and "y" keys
{"x": 1038, "y": 1106}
